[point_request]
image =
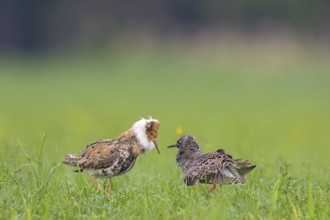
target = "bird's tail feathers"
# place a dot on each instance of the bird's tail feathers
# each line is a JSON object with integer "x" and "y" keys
{"x": 246, "y": 170}
{"x": 227, "y": 176}
{"x": 244, "y": 166}
{"x": 71, "y": 159}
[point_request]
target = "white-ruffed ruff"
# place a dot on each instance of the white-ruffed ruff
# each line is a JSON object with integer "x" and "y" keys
{"x": 139, "y": 129}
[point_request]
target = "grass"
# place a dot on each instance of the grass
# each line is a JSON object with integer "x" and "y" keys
{"x": 274, "y": 114}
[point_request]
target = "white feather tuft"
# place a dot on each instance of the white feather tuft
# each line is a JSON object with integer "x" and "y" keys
{"x": 139, "y": 129}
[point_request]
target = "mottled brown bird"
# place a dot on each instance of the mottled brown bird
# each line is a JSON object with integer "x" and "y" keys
{"x": 211, "y": 168}
{"x": 109, "y": 158}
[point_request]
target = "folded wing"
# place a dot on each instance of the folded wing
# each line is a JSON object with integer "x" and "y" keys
{"x": 218, "y": 168}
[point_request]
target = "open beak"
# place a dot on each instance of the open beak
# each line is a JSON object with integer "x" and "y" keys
{"x": 156, "y": 145}
{"x": 174, "y": 145}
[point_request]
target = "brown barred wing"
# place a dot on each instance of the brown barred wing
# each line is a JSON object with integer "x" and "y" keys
{"x": 213, "y": 175}
{"x": 82, "y": 158}
{"x": 214, "y": 168}
{"x": 96, "y": 146}
{"x": 101, "y": 154}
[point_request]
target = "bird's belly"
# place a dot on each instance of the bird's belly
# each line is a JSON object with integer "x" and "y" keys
{"x": 105, "y": 172}
{"x": 112, "y": 171}
{"x": 127, "y": 168}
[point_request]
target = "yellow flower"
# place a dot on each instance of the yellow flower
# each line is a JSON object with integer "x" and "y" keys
{"x": 179, "y": 130}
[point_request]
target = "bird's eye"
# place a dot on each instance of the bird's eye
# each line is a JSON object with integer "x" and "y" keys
{"x": 152, "y": 133}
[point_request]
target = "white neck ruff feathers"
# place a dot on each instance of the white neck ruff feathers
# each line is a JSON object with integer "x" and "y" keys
{"x": 139, "y": 129}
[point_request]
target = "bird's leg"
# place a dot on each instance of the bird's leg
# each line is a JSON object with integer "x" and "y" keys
{"x": 99, "y": 187}
{"x": 110, "y": 184}
{"x": 212, "y": 188}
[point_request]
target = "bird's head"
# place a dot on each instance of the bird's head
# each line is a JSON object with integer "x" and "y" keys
{"x": 146, "y": 131}
{"x": 186, "y": 142}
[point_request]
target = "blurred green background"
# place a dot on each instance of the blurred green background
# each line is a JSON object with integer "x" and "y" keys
{"x": 276, "y": 106}
{"x": 252, "y": 78}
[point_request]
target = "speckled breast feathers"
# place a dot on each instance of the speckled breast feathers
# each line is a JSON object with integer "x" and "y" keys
{"x": 211, "y": 168}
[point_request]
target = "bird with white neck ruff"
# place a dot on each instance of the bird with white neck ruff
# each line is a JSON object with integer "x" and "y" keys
{"x": 114, "y": 157}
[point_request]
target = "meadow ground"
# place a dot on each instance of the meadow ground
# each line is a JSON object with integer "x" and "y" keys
{"x": 272, "y": 108}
